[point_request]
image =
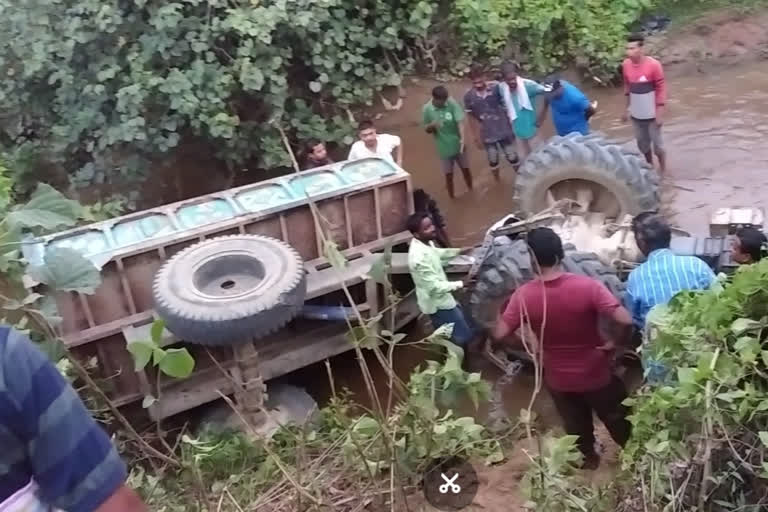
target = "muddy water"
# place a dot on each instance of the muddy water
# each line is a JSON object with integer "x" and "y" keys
{"x": 716, "y": 134}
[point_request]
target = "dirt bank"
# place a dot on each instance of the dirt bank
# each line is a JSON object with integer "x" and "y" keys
{"x": 714, "y": 40}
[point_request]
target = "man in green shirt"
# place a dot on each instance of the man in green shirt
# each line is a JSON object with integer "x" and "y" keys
{"x": 444, "y": 118}
{"x": 434, "y": 292}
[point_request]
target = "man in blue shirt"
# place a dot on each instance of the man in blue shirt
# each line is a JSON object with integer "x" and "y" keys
{"x": 664, "y": 273}
{"x": 571, "y": 109}
{"x": 53, "y": 455}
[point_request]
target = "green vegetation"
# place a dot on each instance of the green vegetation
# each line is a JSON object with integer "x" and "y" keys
{"x": 548, "y": 35}
{"x": 100, "y": 92}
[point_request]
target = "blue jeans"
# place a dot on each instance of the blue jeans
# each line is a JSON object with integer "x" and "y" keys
{"x": 463, "y": 331}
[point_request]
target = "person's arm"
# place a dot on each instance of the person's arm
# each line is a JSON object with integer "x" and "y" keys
{"x": 607, "y": 305}
{"x": 474, "y": 122}
{"x": 396, "y": 143}
{"x": 660, "y": 87}
{"x": 509, "y": 320}
{"x": 543, "y": 114}
{"x": 399, "y": 154}
{"x": 429, "y": 124}
{"x": 632, "y": 302}
{"x": 71, "y": 458}
{"x": 124, "y": 499}
{"x": 625, "y": 115}
{"x": 458, "y": 115}
{"x": 432, "y": 282}
{"x": 706, "y": 277}
{"x": 447, "y": 254}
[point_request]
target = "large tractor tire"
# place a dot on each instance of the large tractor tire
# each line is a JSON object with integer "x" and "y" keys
{"x": 230, "y": 290}
{"x": 621, "y": 181}
{"x": 509, "y": 265}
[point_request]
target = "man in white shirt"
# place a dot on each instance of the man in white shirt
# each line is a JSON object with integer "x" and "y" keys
{"x": 372, "y": 144}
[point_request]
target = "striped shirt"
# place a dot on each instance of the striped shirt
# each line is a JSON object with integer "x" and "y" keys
{"x": 47, "y": 435}
{"x": 663, "y": 275}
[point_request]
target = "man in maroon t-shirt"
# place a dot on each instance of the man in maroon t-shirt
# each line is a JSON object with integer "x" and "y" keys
{"x": 576, "y": 360}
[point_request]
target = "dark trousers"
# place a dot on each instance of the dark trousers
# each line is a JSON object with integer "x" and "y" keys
{"x": 576, "y": 411}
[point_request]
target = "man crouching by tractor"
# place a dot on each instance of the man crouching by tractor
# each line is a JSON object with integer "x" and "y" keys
{"x": 434, "y": 292}
{"x": 563, "y": 311}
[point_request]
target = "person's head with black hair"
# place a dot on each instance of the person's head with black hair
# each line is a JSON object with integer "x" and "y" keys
{"x": 635, "y": 50}
{"x": 421, "y": 226}
{"x": 748, "y": 246}
{"x": 546, "y": 248}
{"x": 651, "y": 233}
{"x": 479, "y": 78}
{"x": 509, "y": 71}
{"x": 315, "y": 151}
{"x": 439, "y": 96}
{"x": 555, "y": 85}
{"x": 366, "y": 130}
{"x": 640, "y": 217}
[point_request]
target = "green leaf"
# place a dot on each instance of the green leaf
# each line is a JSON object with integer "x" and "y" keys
{"x": 156, "y": 332}
{"x": 47, "y": 209}
{"x": 315, "y": 86}
{"x": 763, "y": 437}
{"x": 142, "y": 352}
{"x": 148, "y": 401}
{"x": 66, "y": 270}
{"x": 334, "y": 256}
{"x": 177, "y": 363}
{"x": 686, "y": 375}
{"x": 743, "y": 325}
{"x": 380, "y": 269}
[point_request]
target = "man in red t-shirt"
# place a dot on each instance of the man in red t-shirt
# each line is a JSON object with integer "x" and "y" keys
{"x": 646, "y": 92}
{"x": 563, "y": 311}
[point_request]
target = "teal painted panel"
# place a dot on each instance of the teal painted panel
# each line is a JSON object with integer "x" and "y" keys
{"x": 134, "y": 231}
{"x": 361, "y": 171}
{"x": 317, "y": 183}
{"x": 88, "y": 243}
{"x": 208, "y": 212}
{"x": 264, "y": 197}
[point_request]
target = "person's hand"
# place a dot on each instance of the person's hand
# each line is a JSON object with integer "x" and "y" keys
{"x": 461, "y": 146}
{"x": 468, "y": 280}
{"x": 479, "y": 144}
{"x": 607, "y": 346}
{"x": 659, "y": 117}
{"x": 539, "y": 122}
{"x": 467, "y": 250}
{"x": 625, "y": 116}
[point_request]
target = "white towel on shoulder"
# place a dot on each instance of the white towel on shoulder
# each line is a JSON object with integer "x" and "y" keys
{"x": 522, "y": 97}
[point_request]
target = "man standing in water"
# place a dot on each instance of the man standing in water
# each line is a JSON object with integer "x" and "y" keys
{"x": 519, "y": 96}
{"x": 571, "y": 109}
{"x": 54, "y": 455}
{"x": 646, "y": 92}
{"x": 373, "y": 144}
{"x": 434, "y": 292}
{"x": 444, "y": 119}
{"x": 563, "y": 311}
{"x": 489, "y": 122}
